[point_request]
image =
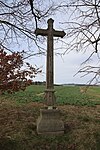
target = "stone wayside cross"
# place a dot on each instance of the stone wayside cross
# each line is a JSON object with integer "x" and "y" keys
{"x": 49, "y": 121}
{"x": 50, "y": 33}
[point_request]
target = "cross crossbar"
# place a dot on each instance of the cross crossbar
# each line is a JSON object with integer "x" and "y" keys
{"x": 45, "y": 32}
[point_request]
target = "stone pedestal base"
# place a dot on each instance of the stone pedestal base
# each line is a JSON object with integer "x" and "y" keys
{"x": 49, "y": 122}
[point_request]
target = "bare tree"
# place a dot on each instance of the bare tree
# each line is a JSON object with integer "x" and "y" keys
{"x": 18, "y": 20}
{"x": 83, "y": 32}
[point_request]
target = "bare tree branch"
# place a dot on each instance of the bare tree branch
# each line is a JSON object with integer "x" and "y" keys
{"x": 19, "y": 19}
{"x": 83, "y": 32}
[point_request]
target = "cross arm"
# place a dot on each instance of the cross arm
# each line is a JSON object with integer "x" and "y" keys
{"x": 59, "y": 33}
{"x": 42, "y": 32}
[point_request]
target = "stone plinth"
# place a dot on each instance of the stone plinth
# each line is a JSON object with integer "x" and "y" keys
{"x": 49, "y": 122}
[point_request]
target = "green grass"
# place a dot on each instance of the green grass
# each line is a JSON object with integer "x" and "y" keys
{"x": 72, "y": 96}
{"x": 64, "y": 95}
{"x": 29, "y": 95}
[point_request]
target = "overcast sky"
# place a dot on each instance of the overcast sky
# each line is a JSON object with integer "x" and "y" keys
{"x": 68, "y": 65}
{"x": 65, "y": 68}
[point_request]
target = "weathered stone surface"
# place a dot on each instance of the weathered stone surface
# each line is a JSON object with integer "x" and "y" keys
{"x": 50, "y": 98}
{"x": 49, "y": 122}
{"x": 50, "y": 32}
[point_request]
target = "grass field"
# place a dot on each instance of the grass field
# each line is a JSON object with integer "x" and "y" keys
{"x": 80, "y": 113}
{"x": 64, "y": 95}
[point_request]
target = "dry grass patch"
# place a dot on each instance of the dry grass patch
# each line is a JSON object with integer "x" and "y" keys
{"x": 18, "y": 128}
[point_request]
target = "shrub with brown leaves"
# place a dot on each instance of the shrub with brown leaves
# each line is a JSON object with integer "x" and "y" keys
{"x": 12, "y": 77}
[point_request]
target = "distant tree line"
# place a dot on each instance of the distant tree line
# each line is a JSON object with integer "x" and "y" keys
{"x": 39, "y": 82}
